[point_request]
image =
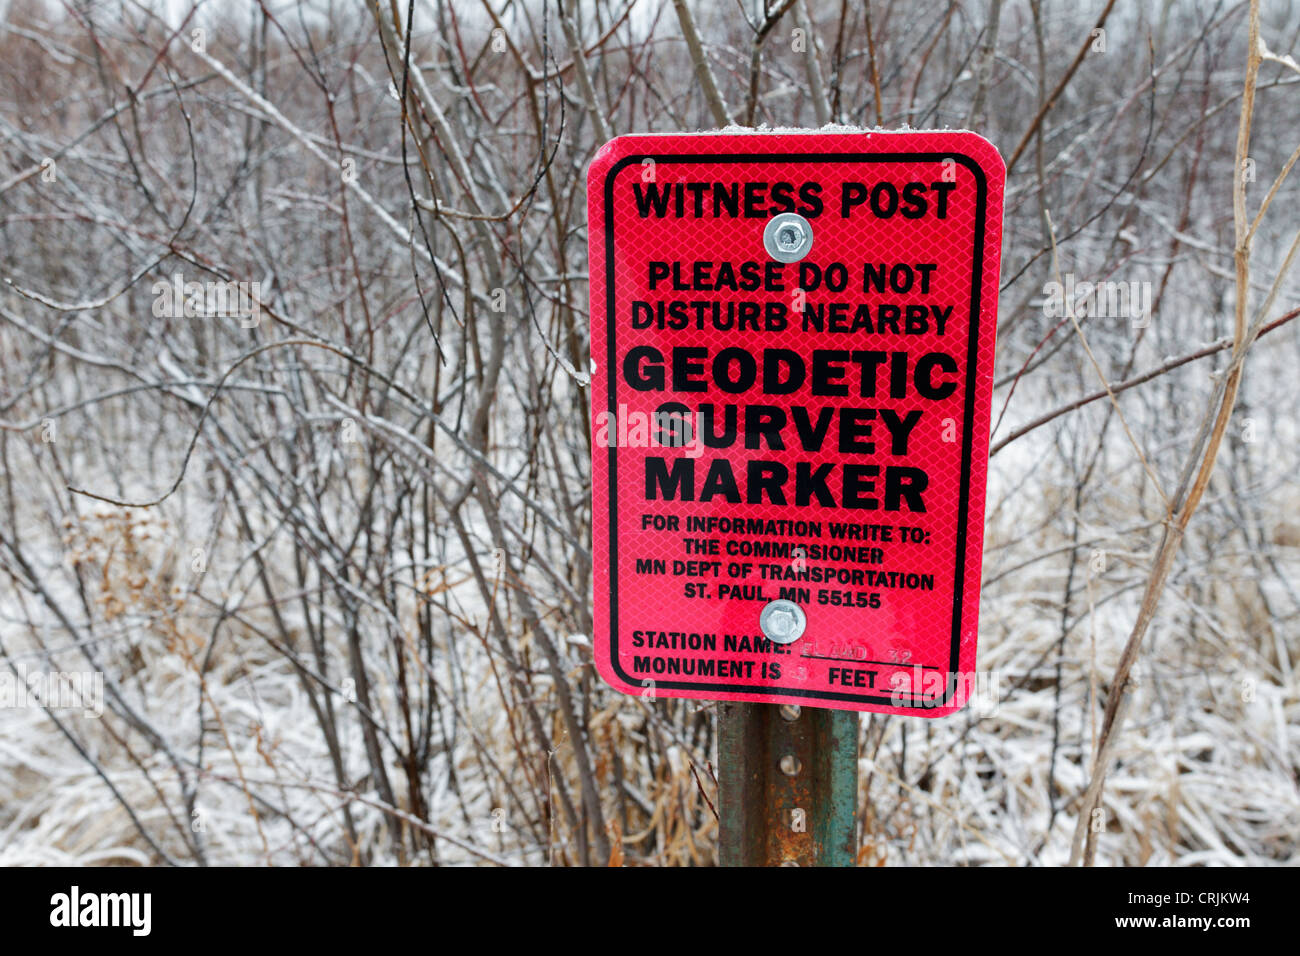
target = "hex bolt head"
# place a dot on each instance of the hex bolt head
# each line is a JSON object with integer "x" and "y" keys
{"x": 788, "y": 237}
{"x": 782, "y": 621}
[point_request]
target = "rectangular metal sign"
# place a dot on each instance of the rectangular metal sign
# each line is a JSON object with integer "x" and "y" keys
{"x": 792, "y": 351}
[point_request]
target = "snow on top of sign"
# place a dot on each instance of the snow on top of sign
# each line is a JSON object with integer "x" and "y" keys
{"x": 828, "y": 128}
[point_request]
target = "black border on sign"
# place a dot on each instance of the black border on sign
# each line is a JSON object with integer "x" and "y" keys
{"x": 611, "y": 363}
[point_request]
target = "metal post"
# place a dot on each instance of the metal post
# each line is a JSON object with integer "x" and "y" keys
{"x": 788, "y": 781}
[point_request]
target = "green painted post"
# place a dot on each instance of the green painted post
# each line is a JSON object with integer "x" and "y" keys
{"x": 788, "y": 781}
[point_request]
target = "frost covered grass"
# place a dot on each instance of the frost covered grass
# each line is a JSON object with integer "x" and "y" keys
{"x": 1205, "y": 772}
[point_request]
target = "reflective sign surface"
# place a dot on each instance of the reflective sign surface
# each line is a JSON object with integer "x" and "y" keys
{"x": 792, "y": 337}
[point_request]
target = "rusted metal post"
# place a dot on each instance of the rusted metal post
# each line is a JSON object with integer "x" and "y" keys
{"x": 788, "y": 781}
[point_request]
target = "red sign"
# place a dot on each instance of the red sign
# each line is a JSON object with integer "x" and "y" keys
{"x": 792, "y": 343}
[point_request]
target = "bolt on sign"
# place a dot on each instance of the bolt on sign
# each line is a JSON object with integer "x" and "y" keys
{"x": 792, "y": 344}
